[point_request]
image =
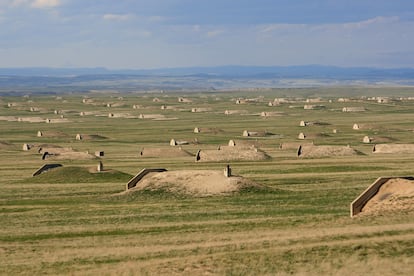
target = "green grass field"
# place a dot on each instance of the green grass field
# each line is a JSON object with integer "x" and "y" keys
{"x": 71, "y": 221}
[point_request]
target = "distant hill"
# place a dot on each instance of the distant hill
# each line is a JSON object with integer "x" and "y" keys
{"x": 305, "y": 71}
{"x": 54, "y": 80}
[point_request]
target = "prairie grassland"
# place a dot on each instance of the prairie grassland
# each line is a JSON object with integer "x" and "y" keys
{"x": 71, "y": 221}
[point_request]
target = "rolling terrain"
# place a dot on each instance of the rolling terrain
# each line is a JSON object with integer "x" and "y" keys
{"x": 294, "y": 220}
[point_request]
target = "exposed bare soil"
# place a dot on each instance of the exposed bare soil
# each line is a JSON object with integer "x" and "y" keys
{"x": 395, "y": 195}
{"x": 394, "y": 148}
{"x": 164, "y": 152}
{"x": 60, "y": 153}
{"x": 232, "y": 154}
{"x": 54, "y": 134}
{"x": 326, "y": 151}
{"x": 6, "y": 145}
{"x": 194, "y": 183}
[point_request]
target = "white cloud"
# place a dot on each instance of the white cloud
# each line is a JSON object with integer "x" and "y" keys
{"x": 376, "y": 22}
{"x": 281, "y": 27}
{"x": 16, "y": 3}
{"x": 161, "y": 42}
{"x": 39, "y": 4}
{"x": 196, "y": 28}
{"x": 214, "y": 33}
{"x": 379, "y": 20}
{"x": 44, "y": 3}
{"x": 371, "y": 21}
{"x": 116, "y": 17}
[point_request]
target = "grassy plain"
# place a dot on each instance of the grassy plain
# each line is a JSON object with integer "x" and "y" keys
{"x": 70, "y": 222}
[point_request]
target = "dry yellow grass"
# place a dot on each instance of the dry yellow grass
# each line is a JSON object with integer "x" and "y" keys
{"x": 71, "y": 224}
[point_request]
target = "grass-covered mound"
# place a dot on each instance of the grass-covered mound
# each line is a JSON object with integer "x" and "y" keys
{"x": 79, "y": 175}
{"x": 197, "y": 183}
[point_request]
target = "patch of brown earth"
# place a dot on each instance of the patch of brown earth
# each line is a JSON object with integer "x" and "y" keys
{"x": 6, "y": 145}
{"x": 383, "y": 139}
{"x": 294, "y": 145}
{"x": 164, "y": 152}
{"x": 232, "y": 112}
{"x": 225, "y": 154}
{"x": 325, "y": 151}
{"x": 53, "y": 134}
{"x": 394, "y": 148}
{"x": 152, "y": 116}
{"x": 31, "y": 119}
{"x": 209, "y": 130}
{"x": 58, "y": 120}
{"x": 246, "y": 144}
{"x": 197, "y": 183}
{"x": 8, "y": 118}
{"x": 93, "y": 137}
{"x": 60, "y": 153}
{"x": 395, "y": 195}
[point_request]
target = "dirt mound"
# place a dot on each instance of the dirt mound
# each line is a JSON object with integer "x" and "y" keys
{"x": 260, "y": 133}
{"x": 232, "y": 112}
{"x": 271, "y": 113}
{"x": 8, "y": 118}
{"x": 89, "y": 113}
{"x": 117, "y": 104}
{"x": 201, "y": 109}
{"x": 52, "y": 134}
{"x": 93, "y": 137}
{"x": 121, "y": 115}
{"x": 184, "y": 100}
{"x": 164, "y": 152}
{"x": 309, "y": 136}
{"x": 41, "y": 148}
{"x": 51, "y": 152}
{"x": 208, "y": 130}
{"x": 70, "y": 155}
{"x": 310, "y": 151}
{"x": 156, "y": 117}
{"x": 194, "y": 183}
{"x": 31, "y": 119}
{"x": 6, "y": 145}
{"x": 93, "y": 102}
{"x": 67, "y": 175}
{"x": 228, "y": 153}
{"x": 294, "y": 145}
{"x": 393, "y": 148}
{"x": 383, "y": 139}
{"x": 245, "y": 144}
{"x": 57, "y": 121}
{"x": 318, "y": 123}
{"x": 395, "y": 194}
{"x": 363, "y": 126}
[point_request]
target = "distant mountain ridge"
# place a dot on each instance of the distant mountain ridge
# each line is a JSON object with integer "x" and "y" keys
{"x": 56, "y": 80}
{"x": 303, "y": 71}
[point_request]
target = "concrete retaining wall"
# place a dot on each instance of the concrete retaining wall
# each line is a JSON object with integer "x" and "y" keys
{"x": 134, "y": 181}
{"x": 357, "y": 205}
{"x": 45, "y": 168}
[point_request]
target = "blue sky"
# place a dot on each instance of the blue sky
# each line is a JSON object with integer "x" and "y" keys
{"x": 179, "y": 33}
